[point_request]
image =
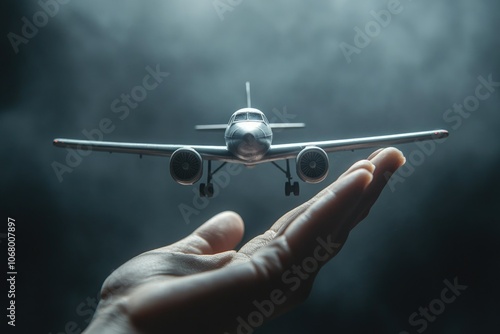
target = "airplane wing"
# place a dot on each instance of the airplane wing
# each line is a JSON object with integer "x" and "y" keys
{"x": 288, "y": 151}
{"x": 207, "y": 152}
{"x": 276, "y": 152}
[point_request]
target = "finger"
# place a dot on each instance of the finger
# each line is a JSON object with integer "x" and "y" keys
{"x": 291, "y": 215}
{"x": 327, "y": 217}
{"x": 260, "y": 241}
{"x": 386, "y": 161}
{"x": 382, "y": 163}
{"x": 221, "y": 233}
{"x": 366, "y": 164}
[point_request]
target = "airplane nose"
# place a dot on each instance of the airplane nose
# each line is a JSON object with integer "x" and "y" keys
{"x": 248, "y": 138}
{"x": 247, "y": 135}
{"x": 248, "y": 143}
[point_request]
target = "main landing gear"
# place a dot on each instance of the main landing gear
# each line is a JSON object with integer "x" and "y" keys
{"x": 289, "y": 186}
{"x": 207, "y": 190}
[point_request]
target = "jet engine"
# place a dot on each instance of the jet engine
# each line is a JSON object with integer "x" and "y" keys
{"x": 186, "y": 166}
{"x": 312, "y": 164}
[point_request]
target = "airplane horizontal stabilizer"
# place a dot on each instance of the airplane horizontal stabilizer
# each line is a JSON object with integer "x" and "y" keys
{"x": 211, "y": 127}
{"x": 222, "y": 127}
{"x": 287, "y": 125}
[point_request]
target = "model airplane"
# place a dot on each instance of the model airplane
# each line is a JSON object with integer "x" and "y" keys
{"x": 249, "y": 139}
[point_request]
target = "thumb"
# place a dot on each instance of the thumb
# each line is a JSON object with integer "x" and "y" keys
{"x": 219, "y": 234}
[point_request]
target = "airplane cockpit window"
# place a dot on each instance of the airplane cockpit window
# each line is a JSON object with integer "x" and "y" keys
{"x": 248, "y": 116}
{"x": 240, "y": 117}
{"x": 253, "y": 116}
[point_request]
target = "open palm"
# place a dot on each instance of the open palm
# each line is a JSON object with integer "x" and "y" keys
{"x": 200, "y": 284}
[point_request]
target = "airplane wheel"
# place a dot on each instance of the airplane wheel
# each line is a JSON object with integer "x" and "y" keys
{"x": 209, "y": 190}
{"x": 202, "y": 190}
{"x": 288, "y": 189}
{"x": 296, "y": 189}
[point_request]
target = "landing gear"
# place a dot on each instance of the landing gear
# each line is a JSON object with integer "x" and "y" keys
{"x": 292, "y": 188}
{"x": 207, "y": 190}
{"x": 289, "y": 186}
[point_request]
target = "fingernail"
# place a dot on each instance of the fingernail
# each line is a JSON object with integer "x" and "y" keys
{"x": 374, "y": 154}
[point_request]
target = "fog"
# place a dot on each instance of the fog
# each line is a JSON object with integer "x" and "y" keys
{"x": 307, "y": 62}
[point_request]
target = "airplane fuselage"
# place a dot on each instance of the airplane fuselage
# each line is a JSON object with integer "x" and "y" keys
{"x": 248, "y": 135}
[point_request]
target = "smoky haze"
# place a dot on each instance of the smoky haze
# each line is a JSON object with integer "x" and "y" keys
{"x": 437, "y": 220}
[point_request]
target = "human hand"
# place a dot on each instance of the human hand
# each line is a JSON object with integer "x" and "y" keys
{"x": 201, "y": 285}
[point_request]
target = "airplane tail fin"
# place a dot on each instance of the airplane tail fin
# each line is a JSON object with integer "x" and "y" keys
{"x": 249, "y": 101}
{"x": 223, "y": 127}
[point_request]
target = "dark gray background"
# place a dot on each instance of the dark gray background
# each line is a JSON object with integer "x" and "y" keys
{"x": 439, "y": 224}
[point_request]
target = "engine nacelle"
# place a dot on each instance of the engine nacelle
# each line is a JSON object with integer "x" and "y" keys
{"x": 312, "y": 164}
{"x": 186, "y": 166}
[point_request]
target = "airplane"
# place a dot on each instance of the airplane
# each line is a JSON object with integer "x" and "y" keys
{"x": 249, "y": 136}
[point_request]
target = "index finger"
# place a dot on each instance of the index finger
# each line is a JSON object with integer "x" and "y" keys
{"x": 331, "y": 217}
